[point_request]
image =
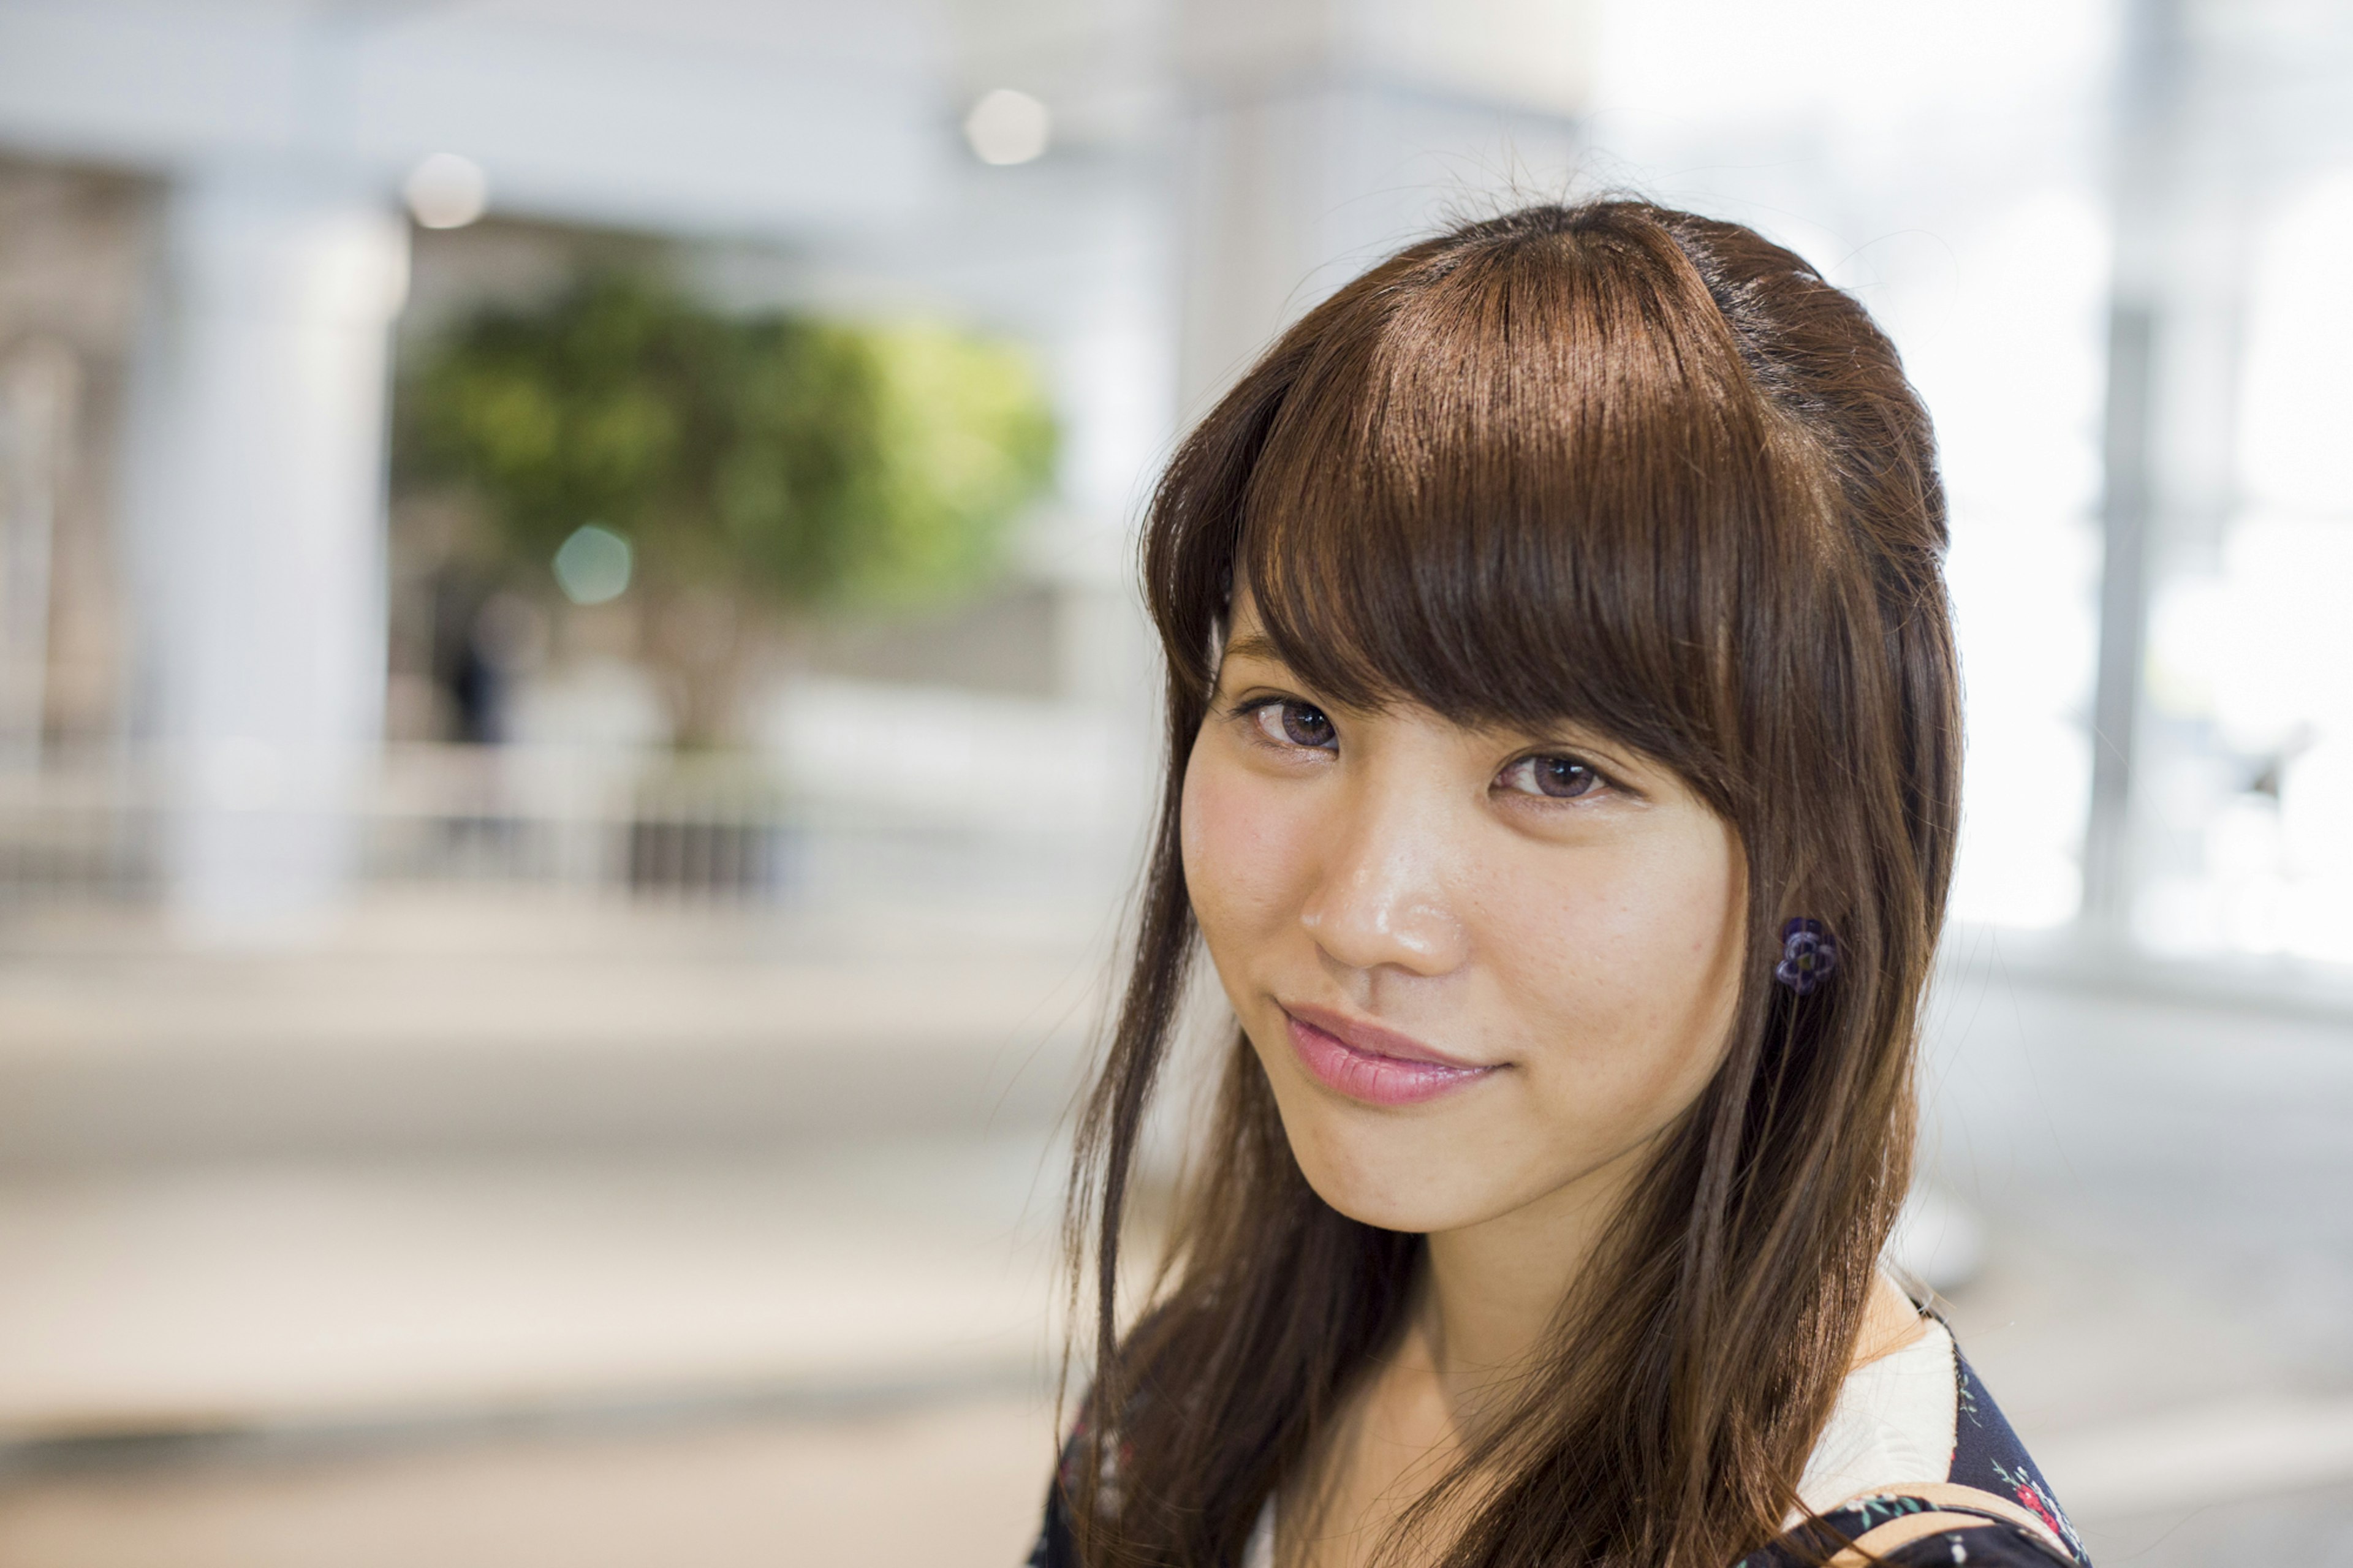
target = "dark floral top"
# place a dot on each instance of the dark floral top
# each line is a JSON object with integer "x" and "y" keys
{"x": 1987, "y": 1454}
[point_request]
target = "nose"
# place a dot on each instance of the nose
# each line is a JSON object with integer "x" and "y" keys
{"x": 1382, "y": 901}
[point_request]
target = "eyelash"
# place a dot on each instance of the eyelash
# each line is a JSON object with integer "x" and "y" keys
{"x": 1595, "y": 780}
{"x": 1255, "y": 706}
{"x": 1250, "y": 708}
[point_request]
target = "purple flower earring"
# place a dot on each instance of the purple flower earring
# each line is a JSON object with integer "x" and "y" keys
{"x": 1808, "y": 955}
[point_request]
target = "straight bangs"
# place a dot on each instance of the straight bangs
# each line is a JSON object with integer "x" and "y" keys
{"x": 1540, "y": 487}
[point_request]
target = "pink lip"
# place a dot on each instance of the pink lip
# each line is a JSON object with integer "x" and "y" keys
{"x": 1371, "y": 1064}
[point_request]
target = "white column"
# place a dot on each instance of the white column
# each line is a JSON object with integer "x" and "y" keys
{"x": 39, "y": 391}
{"x": 1113, "y": 372}
{"x": 255, "y": 521}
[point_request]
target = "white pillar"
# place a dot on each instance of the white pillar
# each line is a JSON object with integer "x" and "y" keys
{"x": 1113, "y": 372}
{"x": 39, "y": 391}
{"x": 255, "y": 521}
{"x": 1326, "y": 133}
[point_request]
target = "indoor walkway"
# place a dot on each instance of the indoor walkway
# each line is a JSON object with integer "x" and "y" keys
{"x": 584, "y": 1234}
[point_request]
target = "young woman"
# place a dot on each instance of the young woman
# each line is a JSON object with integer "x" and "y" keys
{"x": 1563, "y": 785}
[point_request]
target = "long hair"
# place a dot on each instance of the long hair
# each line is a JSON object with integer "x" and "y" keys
{"x": 1647, "y": 472}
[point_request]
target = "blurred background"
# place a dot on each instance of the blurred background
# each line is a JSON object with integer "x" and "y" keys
{"x": 574, "y": 722}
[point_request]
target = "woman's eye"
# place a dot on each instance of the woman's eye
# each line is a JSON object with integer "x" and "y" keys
{"x": 1294, "y": 724}
{"x": 1556, "y": 778}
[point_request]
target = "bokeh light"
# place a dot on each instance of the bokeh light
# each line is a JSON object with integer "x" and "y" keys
{"x": 1007, "y": 127}
{"x": 593, "y": 565}
{"x": 446, "y": 191}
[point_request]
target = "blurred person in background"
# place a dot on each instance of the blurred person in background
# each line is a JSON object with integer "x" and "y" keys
{"x": 1565, "y": 793}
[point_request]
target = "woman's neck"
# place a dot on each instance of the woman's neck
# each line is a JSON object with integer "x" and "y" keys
{"x": 1490, "y": 1292}
{"x": 1483, "y": 1306}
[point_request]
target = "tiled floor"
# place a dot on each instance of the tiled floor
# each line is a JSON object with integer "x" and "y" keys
{"x": 955, "y": 1485}
{"x": 273, "y": 1294}
{"x": 534, "y": 1232}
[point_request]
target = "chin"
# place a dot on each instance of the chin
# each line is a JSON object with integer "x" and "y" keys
{"x": 1385, "y": 1187}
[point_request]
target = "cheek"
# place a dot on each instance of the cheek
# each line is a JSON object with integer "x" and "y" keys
{"x": 1244, "y": 848}
{"x": 1663, "y": 932}
{"x": 1640, "y": 964}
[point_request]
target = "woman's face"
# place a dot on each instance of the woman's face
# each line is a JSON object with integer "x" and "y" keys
{"x": 1478, "y": 965}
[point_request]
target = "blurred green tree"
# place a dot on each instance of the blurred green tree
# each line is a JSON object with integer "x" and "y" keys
{"x": 761, "y": 468}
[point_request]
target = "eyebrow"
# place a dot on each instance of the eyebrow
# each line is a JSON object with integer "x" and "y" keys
{"x": 1254, "y": 645}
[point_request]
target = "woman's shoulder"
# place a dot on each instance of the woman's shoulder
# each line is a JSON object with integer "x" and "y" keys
{"x": 1053, "y": 1547}
{"x": 1918, "y": 1450}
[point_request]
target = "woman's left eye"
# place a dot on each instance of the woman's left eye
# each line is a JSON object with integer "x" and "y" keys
{"x": 1554, "y": 778}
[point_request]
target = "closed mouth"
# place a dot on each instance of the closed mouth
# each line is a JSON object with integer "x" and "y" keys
{"x": 1373, "y": 1065}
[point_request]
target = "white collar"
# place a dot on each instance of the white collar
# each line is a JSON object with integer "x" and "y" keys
{"x": 1893, "y": 1425}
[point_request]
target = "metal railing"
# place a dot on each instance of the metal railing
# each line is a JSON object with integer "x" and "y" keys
{"x": 710, "y": 829}
{"x": 704, "y": 828}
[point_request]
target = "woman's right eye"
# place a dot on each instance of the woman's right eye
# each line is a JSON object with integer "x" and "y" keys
{"x": 1290, "y": 723}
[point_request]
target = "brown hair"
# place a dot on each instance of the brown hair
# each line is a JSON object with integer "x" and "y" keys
{"x": 1647, "y": 472}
